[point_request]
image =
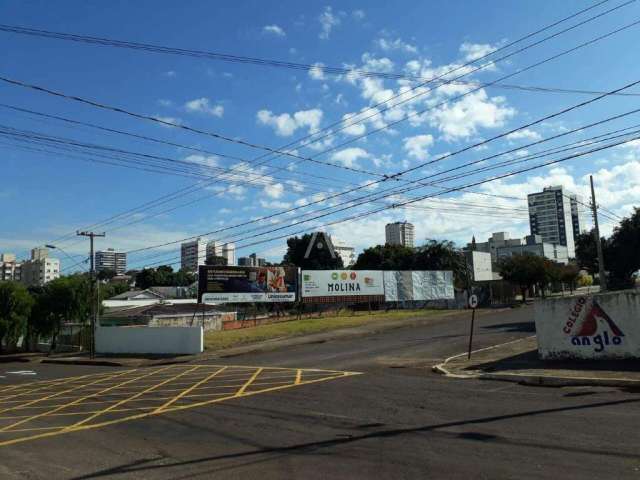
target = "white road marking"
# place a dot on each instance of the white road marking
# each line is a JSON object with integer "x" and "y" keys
{"x": 22, "y": 372}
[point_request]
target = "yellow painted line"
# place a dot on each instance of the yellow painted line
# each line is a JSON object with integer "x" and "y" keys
{"x": 189, "y": 390}
{"x": 42, "y": 384}
{"x": 249, "y": 382}
{"x": 75, "y": 402}
{"x": 336, "y": 374}
{"x": 121, "y": 402}
{"x": 298, "y": 376}
{"x": 53, "y": 395}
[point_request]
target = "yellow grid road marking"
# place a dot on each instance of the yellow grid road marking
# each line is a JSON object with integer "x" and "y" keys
{"x": 201, "y": 385}
{"x": 64, "y": 391}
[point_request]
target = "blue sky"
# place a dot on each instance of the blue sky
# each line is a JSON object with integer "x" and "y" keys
{"x": 47, "y": 195}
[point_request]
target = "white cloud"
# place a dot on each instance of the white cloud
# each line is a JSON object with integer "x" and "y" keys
{"x": 526, "y": 134}
{"x": 170, "y": 73}
{"x": 285, "y": 124}
{"x": 474, "y": 51}
{"x": 203, "y": 105}
{"x": 398, "y": 44}
{"x": 275, "y": 205}
{"x": 417, "y": 146}
{"x": 358, "y": 14}
{"x": 163, "y": 102}
{"x": 273, "y": 30}
{"x": 354, "y": 128}
{"x": 328, "y": 21}
{"x": 316, "y": 72}
{"x": 274, "y": 190}
{"x": 349, "y": 156}
{"x": 204, "y": 160}
{"x": 476, "y": 110}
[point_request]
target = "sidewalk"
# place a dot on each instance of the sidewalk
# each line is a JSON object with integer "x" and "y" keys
{"x": 518, "y": 361}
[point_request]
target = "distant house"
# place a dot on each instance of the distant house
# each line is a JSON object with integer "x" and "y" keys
{"x": 169, "y": 315}
{"x": 147, "y": 294}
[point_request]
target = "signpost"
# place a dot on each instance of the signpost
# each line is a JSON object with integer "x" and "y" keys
{"x": 473, "y": 303}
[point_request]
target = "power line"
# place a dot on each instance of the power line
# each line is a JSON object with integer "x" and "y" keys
{"x": 362, "y": 200}
{"x": 268, "y": 62}
{"x": 452, "y": 189}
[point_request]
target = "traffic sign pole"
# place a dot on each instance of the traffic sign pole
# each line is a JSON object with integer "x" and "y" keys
{"x": 473, "y": 303}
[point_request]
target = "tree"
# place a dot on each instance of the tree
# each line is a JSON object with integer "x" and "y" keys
{"x": 442, "y": 255}
{"x": 586, "y": 253}
{"x": 386, "y": 257}
{"x": 15, "y": 306}
{"x": 319, "y": 258}
{"x": 106, "y": 274}
{"x": 569, "y": 275}
{"x": 523, "y": 271}
{"x": 622, "y": 257}
{"x": 65, "y": 299}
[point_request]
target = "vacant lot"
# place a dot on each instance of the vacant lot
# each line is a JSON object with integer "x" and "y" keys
{"x": 232, "y": 338}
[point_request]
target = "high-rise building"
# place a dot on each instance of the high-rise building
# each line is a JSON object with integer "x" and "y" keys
{"x": 577, "y": 215}
{"x": 40, "y": 269}
{"x": 252, "y": 261}
{"x": 224, "y": 250}
{"x": 193, "y": 254}
{"x": 10, "y": 268}
{"x": 109, "y": 259}
{"x": 399, "y": 233}
{"x": 550, "y": 217}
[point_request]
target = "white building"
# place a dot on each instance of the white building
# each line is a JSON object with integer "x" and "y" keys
{"x": 193, "y": 254}
{"x": 497, "y": 240}
{"x": 550, "y": 216}
{"x": 40, "y": 269}
{"x": 111, "y": 260}
{"x": 399, "y": 233}
{"x": 225, "y": 250}
{"x": 10, "y": 268}
{"x": 346, "y": 253}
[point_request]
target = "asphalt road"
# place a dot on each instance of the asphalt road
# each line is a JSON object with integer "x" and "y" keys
{"x": 396, "y": 419}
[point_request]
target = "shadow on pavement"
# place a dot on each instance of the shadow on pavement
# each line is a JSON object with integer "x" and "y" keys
{"x": 513, "y": 327}
{"x": 311, "y": 447}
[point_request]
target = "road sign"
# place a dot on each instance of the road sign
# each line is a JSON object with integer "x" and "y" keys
{"x": 473, "y": 301}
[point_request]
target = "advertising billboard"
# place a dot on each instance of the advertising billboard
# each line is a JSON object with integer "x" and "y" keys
{"x": 327, "y": 286}
{"x": 418, "y": 285}
{"x": 220, "y": 284}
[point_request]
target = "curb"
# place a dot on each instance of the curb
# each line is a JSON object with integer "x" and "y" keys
{"x": 100, "y": 363}
{"x": 533, "y": 380}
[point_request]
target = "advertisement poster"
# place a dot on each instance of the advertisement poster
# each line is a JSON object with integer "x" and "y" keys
{"x": 325, "y": 286}
{"x": 220, "y": 284}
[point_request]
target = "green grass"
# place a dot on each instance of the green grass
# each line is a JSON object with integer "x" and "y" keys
{"x": 231, "y": 338}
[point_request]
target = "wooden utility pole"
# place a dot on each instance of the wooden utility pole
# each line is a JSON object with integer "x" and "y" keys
{"x": 596, "y": 232}
{"x": 95, "y": 299}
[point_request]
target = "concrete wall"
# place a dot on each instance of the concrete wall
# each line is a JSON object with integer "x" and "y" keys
{"x": 599, "y": 326}
{"x": 156, "y": 340}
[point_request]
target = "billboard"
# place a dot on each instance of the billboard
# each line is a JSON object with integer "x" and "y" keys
{"x": 425, "y": 285}
{"x": 220, "y": 284}
{"x": 327, "y": 286}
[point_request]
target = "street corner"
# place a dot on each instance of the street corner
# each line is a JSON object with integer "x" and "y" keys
{"x": 30, "y": 411}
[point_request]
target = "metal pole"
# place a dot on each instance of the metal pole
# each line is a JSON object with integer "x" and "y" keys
{"x": 473, "y": 319}
{"x": 596, "y": 230}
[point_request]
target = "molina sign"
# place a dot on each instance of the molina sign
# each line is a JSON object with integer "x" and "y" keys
{"x": 219, "y": 284}
{"x": 598, "y": 326}
{"x": 325, "y": 286}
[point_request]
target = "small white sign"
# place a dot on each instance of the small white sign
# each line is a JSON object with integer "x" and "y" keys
{"x": 473, "y": 301}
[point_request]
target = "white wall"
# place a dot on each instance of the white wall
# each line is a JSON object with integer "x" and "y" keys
{"x": 158, "y": 340}
{"x": 600, "y": 326}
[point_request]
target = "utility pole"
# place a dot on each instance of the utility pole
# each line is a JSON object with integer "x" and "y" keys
{"x": 596, "y": 233}
{"x": 94, "y": 297}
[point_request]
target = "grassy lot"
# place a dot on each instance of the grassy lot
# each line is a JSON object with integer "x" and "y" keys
{"x": 233, "y": 338}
